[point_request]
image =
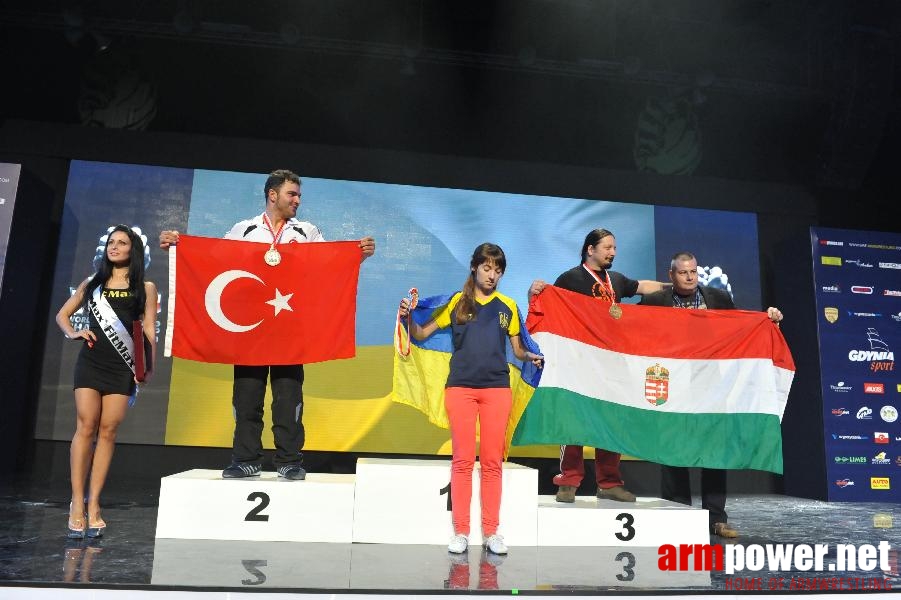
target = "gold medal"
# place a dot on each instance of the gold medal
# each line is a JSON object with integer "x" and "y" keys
{"x": 615, "y": 311}
{"x": 272, "y": 257}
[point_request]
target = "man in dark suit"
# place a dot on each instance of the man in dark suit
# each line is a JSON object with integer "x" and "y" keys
{"x": 675, "y": 482}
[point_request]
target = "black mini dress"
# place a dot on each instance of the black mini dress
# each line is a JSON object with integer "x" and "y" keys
{"x": 101, "y": 368}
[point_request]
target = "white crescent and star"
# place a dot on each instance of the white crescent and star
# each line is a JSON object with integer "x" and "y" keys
{"x": 213, "y": 300}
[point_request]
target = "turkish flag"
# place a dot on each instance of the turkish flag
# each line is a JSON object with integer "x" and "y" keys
{"x": 226, "y": 305}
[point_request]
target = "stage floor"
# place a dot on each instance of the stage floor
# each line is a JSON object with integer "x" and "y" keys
{"x": 35, "y": 552}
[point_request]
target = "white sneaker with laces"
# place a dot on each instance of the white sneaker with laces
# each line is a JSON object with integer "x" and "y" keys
{"x": 495, "y": 544}
{"x": 458, "y": 544}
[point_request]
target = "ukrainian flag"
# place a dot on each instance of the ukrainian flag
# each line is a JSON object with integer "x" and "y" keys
{"x": 420, "y": 376}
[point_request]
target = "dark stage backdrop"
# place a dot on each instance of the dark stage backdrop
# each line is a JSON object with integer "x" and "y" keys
{"x": 425, "y": 236}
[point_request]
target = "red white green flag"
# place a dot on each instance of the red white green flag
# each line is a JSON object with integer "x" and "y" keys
{"x": 674, "y": 386}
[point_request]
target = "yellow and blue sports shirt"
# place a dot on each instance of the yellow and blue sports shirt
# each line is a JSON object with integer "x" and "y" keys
{"x": 479, "y": 359}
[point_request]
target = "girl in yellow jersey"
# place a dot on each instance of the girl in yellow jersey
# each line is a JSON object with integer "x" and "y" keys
{"x": 478, "y": 387}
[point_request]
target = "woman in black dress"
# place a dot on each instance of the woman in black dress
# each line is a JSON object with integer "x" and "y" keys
{"x": 113, "y": 298}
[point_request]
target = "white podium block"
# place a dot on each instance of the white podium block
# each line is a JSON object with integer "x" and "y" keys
{"x": 593, "y": 522}
{"x": 407, "y": 501}
{"x": 199, "y": 504}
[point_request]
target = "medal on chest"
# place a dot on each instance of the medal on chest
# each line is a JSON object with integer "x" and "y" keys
{"x": 272, "y": 256}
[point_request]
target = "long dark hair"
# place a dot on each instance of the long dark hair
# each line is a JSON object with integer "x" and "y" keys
{"x": 592, "y": 239}
{"x": 484, "y": 253}
{"x": 135, "y": 271}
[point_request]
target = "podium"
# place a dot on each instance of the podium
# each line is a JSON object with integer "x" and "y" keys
{"x": 199, "y": 504}
{"x": 407, "y": 502}
{"x": 647, "y": 522}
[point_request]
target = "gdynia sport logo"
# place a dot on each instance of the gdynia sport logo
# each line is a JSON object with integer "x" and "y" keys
{"x": 792, "y": 559}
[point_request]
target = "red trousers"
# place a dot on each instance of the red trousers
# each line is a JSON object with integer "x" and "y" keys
{"x": 572, "y": 467}
{"x": 491, "y": 406}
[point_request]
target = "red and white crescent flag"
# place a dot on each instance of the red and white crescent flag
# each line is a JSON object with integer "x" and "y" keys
{"x": 226, "y": 305}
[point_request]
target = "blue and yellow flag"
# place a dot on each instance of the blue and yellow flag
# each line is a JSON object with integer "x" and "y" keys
{"x": 420, "y": 376}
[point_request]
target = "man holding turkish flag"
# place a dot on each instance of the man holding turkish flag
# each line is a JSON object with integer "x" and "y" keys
{"x": 267, "y": 309}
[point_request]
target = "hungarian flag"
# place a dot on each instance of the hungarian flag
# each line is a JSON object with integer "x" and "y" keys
{"x": 226, "y": 305}
{"x": 678, "y": 387}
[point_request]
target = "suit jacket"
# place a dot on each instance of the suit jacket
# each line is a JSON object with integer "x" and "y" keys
{"x": 713, "y": 297}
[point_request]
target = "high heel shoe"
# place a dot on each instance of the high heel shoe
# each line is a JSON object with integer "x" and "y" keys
{"x": 95, "y": 527}
{"x": 76, "y": 526}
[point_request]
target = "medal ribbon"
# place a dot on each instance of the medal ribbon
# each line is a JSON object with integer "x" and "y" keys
{"x": 276, "y": 235}
{"x": 607, "y": 285}
{"x": 413, "y": 295}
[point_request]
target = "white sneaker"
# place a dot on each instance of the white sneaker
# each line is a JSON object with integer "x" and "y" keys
{"x": 458, "y": 544}
{"x": 495, "y": 544}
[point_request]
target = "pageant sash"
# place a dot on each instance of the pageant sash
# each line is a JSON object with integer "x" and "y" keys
{"x": 137, "y": 338}
{"x": 112, "y": 327}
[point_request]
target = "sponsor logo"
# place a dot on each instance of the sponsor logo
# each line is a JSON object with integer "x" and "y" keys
{"x": 831, "y": 314}
{"x": 840, "y": 412}
{"x": 873, "y": 388}
{"x": 844, "y": 482}
{"x": 880, "y": 356}
{"x": 861, "y": 289}
{"x": 880, "y": 483}
{"x": 831, "y": 243}
{"x": 891, "y": 292}
{"x": 851, "y": 460}
{"x": 841, "y": 387}
{"x": 888, "y": 413}
{"x": 889, "y": 265}
{"x": 656, "y": 384}
{"x": 860, "y": 263}
{"x": 839, "y": 436}
{"x": 880, "y": 437}
{"x": 832, "y": 289}
{"x": 880, "y": 459}
{"x": 899, "y": 388}
{"x": 863, "y": 314}
{"x": 898, "y": 460}
{"x": 865, "y": 413}
{"x": 832, "y": 261}
{"x": 897, "y": 318}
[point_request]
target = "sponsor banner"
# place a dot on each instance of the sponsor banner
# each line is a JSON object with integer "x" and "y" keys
{"x": 858, "y": 334}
